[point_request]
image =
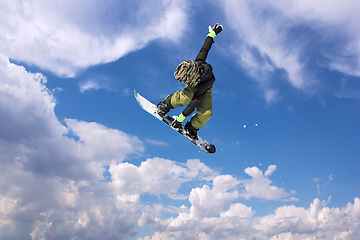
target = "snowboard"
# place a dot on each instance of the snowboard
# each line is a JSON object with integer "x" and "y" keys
{"x": 151, "y": 108}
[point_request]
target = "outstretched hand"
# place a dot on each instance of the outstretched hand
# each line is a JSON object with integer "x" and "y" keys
{"x": 217, "y": 28}
{"x": 213, "y": 31}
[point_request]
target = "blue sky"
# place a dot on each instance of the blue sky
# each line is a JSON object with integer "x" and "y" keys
{"x": 81, "y": 160}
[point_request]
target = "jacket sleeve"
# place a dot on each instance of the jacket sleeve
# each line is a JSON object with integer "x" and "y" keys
{"x": 201, "y": 57}
{"x": 192, "y": 105}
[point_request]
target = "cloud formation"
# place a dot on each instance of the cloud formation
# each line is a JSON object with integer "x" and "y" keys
{"x": 48, "y": 168}
{"x": 53, "y": 181}
{"x": 287, "y": 222}
{"x": 65, "y": 37}
{"x": 272, "y": 39}
{"x": 260, "y": 186}
{"x": 276, "y": 37}
{"x": 53, "y": 184}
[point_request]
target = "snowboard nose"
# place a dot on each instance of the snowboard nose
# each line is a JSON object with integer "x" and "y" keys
{"x": 211, "y": 148}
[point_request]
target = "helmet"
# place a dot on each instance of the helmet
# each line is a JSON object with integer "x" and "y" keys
{"x": 188, "y": 72}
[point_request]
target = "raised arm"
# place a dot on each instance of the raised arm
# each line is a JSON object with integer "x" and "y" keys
{"x": 201, "y": 57}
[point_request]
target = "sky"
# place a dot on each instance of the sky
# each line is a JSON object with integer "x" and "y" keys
{"x": 79, "y": 159}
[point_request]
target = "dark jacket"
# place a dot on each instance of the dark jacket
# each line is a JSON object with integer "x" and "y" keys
{"x": 207, "y": 77}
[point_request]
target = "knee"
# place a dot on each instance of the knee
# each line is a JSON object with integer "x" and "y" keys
{"x": 206, "y": 115}
{"x": 180, "y": 99}
{"x": 186, "y": 98}
{"x": 200, "y": 119}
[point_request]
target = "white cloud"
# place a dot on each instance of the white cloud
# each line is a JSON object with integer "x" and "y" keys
{"x": 287, "y": 222}
{"x": 289, "y": 36}
{"x": 157, "y": 176}
{"x": 64, "y": 37}
{"x": 55, "y": 193}
{"x": 238, "y": 210}
{"x": 200, "y": 220}
{"x": 49, "y": 174}
{"x": 208, "y": 202}
{"x": 29, "y": 124}
{"x": 54, "y": 171}
{"x": 89, "y": 85}
{"x": 270, "y": 170}
{"x": 97, "y": 82}
{"x": 99, "y": 142}
{"x": 260, "y": 186}
{"x": 26, "y": 105}
{"x": 45, "y": 171}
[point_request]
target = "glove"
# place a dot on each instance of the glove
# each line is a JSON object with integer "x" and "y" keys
{"x": 215, "y": 30}
{"x": 178, "y": 121}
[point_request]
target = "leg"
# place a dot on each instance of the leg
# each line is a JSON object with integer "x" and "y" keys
{"x": 182, "y": 98}
{"x": 179, "y": 98}
{"x": 204, "y": 111}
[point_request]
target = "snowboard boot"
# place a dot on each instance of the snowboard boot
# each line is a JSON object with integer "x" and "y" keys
{"x": 191, "y": 131}
{"x": 164, "y": 107}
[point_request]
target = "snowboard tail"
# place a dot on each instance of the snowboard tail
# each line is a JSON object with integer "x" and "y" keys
{"x": 151, "y": 108}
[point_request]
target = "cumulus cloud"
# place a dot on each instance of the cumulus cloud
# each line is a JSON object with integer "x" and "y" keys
{"x": 27, "y": 106}
{"x": 216, "y": 213}
{"x": 157, "y": 176}
{"x": 207, "y": 202}
{"x": 276, "y": 37}
{"x": 260, "y": 186}
{"x": 50, "y": 169}
{"x": 287, "y": 222}
{"x": 52, "y": 183}
{"x": 30, "y": 125}
{"x": 99, "y": 142}
{"x": 65, "y": 37}
{"x": 50, "y": 188}
{"x": 50, "y": 172}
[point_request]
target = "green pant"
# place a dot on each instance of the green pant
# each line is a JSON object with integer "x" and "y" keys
{"x": 204, "y": 109}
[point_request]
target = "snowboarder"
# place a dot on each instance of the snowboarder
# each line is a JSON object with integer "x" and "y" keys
{"x": 199, "y": 80}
